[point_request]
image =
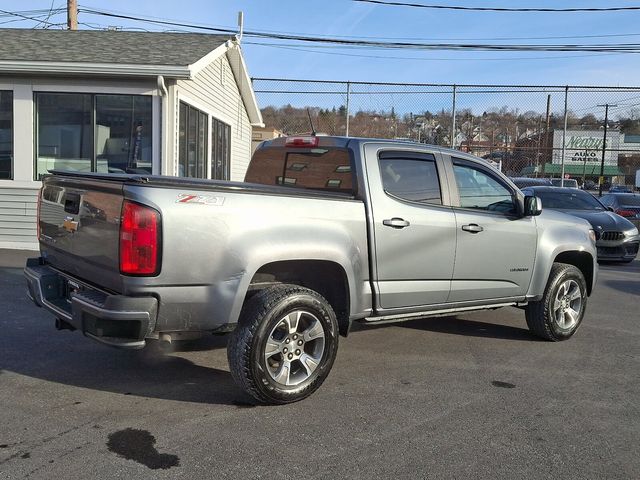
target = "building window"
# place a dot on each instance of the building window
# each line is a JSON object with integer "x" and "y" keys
{"x": 93, "y": 133}
{"x": 220, "y": 150}
{"x": 6, "y": 135}
{"x": 192, "y": 142}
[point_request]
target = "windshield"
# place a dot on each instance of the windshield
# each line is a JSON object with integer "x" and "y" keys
{"x": 568, "y": 200}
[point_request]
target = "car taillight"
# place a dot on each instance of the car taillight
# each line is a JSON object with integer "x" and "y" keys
{"x": 139, "y": 240}
{"x": 301, "y": 141}
{"x": 625, "y": 213}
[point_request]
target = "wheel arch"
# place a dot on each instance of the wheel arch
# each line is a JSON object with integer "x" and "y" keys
{"x": 328, "y": 278}
{"x": 583, "y": 261}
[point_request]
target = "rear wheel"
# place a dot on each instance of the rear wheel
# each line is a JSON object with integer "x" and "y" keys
{"x": 284, "y": 345}
{"x": 560, "y": 312}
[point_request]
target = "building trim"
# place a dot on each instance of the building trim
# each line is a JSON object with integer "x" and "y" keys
{"x": 103, "y": 69}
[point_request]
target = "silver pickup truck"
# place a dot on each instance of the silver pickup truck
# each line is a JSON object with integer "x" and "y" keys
{"x": 323, "y": 232}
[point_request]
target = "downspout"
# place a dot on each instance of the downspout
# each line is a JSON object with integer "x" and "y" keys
{"x": 164, "y": 122}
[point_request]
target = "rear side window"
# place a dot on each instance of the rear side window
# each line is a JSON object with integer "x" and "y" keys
{"x": 411, "y": 179}
{"x": 326, "y": 169}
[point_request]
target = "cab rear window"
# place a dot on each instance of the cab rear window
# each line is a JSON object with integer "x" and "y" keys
{"x": 327, "y": 169}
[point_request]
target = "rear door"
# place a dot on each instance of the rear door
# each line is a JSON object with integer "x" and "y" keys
{"x": 413, "y": 226}
{"x": 495, "y": 247}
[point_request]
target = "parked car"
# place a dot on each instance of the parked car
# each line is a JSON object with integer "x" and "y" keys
{"x": 522, "y": 182}
{"x": 325, "y": 231}
{"x": 626, "y": 205}
{"x": 620, "y": 189}
{"x": 617, "y": 237}
{"x": 568, "y": 182}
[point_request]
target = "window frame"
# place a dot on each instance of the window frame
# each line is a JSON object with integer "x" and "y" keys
{"x": 445, "y": 199}
{"x": 213, "y": 120}
{"x": 488, "y": 171}
{"x": 93, "y": 94}
{"x": 12, "y": 155}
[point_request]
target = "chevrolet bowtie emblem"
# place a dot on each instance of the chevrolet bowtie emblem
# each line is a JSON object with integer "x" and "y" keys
{"x": 70, "y": 225}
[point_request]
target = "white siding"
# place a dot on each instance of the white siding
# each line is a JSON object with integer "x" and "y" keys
{"x": 214, "y": 90}
{"x": 18, "y": 217}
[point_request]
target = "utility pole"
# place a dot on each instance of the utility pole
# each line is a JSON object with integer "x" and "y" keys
{"x": 564, "y": 134}
{"x": 604, "y": 145}
{"x": 72, "y": 14}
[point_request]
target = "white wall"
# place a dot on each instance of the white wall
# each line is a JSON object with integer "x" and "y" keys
{"x": 18, "y": 196}
{"x": 214, "y": 91}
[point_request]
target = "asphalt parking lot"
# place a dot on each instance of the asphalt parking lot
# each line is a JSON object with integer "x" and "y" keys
{"x": 469, "y": 397}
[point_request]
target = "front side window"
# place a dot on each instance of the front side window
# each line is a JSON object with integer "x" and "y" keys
{"x": 192, "y": 142}
{"x": 411, "y": 179}
{"x": 93, "y": 133}
{"x": 6, "y": 135}
{"x": 480, "y": 190}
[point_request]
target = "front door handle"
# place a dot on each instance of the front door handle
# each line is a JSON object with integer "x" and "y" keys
{"x": 472, "y": 228}
{"x": 396, "y": 222}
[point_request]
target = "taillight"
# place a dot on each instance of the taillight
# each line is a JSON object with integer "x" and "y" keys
{"x": 139, "y": 240}
{"x": 625, "y": 213}
{"x": 301, "y": 141}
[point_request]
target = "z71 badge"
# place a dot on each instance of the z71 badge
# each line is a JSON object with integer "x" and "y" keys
{"x": 200, "y": 199}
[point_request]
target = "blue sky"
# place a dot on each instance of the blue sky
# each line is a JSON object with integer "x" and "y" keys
{"x": 344, "y": 17}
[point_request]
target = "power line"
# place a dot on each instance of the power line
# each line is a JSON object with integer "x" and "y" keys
{"x": 499, "y": 9}
{"x": 26, "y": 17}
{"x": 388, "y": 57}
{"x": 606, "y": 47}
{"x": 551, "y": 37}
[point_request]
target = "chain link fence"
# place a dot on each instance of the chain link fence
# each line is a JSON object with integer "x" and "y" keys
{"x": 524, "y": 130}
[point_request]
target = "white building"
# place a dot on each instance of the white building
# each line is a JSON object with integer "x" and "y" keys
{"x": 113, "y": 102}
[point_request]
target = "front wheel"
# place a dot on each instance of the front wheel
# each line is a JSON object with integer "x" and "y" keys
{"x": 559, "y": 314}
{"x": 284, "y": 345}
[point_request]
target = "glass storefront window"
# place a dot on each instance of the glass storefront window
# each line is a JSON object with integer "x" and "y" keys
{"x": 123, "y": 134}
{"x": 93, "y": 133}
{"x": 6, "y": 135}
{"x": 64, "y": 132}
{"x": 192, "y": 137}
{"x": 220, "y": 149}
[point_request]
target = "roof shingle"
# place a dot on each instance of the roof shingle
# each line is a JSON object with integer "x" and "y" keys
{"x": 93, "y": 46}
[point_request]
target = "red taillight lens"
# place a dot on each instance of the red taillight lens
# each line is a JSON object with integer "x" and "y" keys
{"x": 139, "y": 240}
{"x": 625, "y": 213}
{"x": 301, "y": 141}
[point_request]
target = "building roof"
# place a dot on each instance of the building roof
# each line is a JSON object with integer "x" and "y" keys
{"x": 103, "y": 46}
{"x": 119, "y": 53}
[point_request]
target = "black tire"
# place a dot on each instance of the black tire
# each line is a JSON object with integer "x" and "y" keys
{"x": 539, "y": 315}
{"x": 263, "y": 312}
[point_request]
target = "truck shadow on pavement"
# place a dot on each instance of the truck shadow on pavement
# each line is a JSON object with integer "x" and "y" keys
{"x": 458, "y": 326}
{"x": 35, "y": 349}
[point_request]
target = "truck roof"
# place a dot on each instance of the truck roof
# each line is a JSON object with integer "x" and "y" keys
{"x": 351, "y": 142}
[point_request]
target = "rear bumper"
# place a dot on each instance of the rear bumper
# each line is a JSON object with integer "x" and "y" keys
{"x": 115, "y": 320}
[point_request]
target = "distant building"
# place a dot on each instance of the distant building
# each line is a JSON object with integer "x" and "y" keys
{"x": 260, "y": 134}
{"x": 111, "y": 101}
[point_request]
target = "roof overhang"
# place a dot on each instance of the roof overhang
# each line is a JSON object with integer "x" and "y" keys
{"x": 243, "y": 80}
{"x": 101, "y": 69}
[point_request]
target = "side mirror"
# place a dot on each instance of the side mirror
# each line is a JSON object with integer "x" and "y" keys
{"x": 532, "y": 206}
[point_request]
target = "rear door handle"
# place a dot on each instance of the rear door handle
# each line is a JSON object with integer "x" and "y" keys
{"x": 472, "y": 228}
{"x": 396, "y": 222}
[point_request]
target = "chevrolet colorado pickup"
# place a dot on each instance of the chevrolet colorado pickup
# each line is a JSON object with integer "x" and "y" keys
{"x": 323, "y": 232}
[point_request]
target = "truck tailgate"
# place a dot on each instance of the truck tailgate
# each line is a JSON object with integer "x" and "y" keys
{"x": 79, "y": 225}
